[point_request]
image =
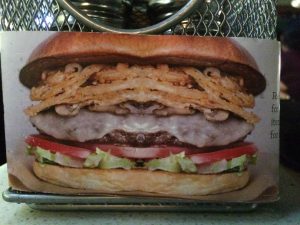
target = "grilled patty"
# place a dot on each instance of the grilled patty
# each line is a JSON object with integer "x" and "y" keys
{"x": 142, "y": 130}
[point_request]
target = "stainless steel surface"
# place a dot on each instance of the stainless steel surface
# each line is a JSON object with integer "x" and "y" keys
{"x": 69, "y": 202}
{"x": 159, "y": 10}
{"x": 242, "y": 18}
{"x": 162, "y": 26}
{"x": 112, "y": 13}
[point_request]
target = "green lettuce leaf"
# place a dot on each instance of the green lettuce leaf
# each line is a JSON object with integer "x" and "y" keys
{"x": 105, "y": 160}
{"x": 173, "y": 163}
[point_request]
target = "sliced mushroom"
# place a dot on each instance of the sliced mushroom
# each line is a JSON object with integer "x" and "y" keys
{"x": 141, "y": 108}
{"x": 110, "y": 108}
{"x": 174, "y": 111}
{"x": 67, "y": 110}
{"x": 215, "y": 114}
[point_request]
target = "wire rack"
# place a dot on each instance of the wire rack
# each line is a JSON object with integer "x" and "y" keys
{"x": 239, "y": 18}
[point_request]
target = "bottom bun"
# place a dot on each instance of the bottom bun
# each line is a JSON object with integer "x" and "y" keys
{"x": 143, "y": 181}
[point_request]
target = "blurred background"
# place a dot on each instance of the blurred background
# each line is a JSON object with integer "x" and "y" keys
{"x": 152, "y": 11}
{"x": 288, "y": 32}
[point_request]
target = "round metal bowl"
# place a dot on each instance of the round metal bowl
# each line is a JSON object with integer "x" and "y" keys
{"x": 100, "y": 25}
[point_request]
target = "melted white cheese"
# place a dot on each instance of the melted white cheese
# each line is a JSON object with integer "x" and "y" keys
{"x": 192, "y": 129}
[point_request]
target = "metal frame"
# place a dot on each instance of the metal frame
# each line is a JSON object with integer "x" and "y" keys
{"x": 118, "y": 203}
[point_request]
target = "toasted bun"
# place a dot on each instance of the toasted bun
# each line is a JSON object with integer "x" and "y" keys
{"x": 142, "y": 181}
{"x": 87, "y": 48}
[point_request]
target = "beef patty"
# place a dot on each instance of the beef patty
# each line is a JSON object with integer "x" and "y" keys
{"x": 140, "y": 139}
{"x": 142, "y": 130}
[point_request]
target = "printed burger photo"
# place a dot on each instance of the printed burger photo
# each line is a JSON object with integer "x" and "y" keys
{"x": 142, "y": 115}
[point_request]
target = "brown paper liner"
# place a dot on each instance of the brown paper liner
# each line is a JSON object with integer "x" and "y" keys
{"x": 262, "y": 186}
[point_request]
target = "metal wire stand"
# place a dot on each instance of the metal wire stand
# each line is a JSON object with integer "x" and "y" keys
{"x": 239, "y": 18}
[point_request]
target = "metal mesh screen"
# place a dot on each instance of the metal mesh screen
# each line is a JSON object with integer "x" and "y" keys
{"x": 241, "y": 18}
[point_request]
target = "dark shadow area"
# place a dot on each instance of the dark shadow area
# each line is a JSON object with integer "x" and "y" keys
{"x": 2, "y": 136}
{"x": 288, "y": 31}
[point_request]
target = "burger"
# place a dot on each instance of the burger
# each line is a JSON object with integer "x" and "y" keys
{"x": 159, "y": 115}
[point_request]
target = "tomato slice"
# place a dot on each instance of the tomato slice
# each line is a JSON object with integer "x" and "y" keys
{"x": 40, "y": 141}
{"x": 138, "y": 152}
{"x": 82, "y": 150}
{"x": 227, "y": 153}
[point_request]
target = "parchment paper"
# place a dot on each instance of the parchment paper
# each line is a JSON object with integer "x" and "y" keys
{"x": 263, "y": 177}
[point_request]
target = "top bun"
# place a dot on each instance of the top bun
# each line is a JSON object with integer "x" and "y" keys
{"x": 87, "y": 48}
